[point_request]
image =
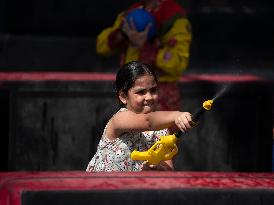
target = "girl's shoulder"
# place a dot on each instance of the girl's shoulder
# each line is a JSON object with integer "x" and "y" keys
{"x": 120, "y": 111}
{"x": 113, "y": 116}
{"x": 123, "y": 112}
{"x": 116, "y": 116}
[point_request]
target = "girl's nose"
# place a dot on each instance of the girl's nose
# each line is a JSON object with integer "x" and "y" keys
{"x": 148, "y": 96}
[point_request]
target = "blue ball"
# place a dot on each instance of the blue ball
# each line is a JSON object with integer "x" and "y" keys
{"x": 141, "y": 19}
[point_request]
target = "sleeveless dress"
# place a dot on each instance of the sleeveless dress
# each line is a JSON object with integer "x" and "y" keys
{"x": 114, "y": 155}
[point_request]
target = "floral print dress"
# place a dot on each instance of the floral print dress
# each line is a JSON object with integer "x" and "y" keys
{"x": 114, "y": 155}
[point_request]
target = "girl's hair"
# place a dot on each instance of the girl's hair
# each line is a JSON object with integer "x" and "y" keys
{"x": 129, "y": 73}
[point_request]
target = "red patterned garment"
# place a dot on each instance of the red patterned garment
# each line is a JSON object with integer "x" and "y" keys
{"x": 169, "y": 96}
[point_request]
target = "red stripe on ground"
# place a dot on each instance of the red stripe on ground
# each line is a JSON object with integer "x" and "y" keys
{"x": 94, "y": 76}
{"x": 222, "y": 77}
{"x": 55, "y": 76}
{"x": 12, "y": 188}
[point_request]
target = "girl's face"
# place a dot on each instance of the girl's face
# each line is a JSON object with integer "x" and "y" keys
{"x": 143, "y": 96}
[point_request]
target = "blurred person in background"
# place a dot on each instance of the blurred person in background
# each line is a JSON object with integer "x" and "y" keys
{"x": 164, "y": 44}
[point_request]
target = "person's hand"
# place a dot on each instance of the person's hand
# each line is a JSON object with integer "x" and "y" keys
{"x": 163, "y": 166}
{"x": 136, "y": 38}
{"x": 148, "y": 167}
{"x": 184, "y": 121}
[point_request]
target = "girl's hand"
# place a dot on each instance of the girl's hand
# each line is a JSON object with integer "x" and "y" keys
{"x": 184, "y": 121}
{"x": 163, "y": 166}
{"x": 148, "y": 167}
{"x": 137, "y": 39}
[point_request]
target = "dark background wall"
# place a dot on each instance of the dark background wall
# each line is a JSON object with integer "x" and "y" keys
{"x": 56, "y": 125}
{"x": 54, "y": 35}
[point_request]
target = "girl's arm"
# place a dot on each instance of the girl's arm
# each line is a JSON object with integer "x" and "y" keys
{"x": 128, "y": 121}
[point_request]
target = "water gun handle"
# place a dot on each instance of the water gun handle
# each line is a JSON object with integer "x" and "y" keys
{"x": 195, "y": 119}
{"x": 197, "y": 115}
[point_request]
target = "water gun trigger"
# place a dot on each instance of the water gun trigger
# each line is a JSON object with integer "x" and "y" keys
{"x": 172, "y": 152}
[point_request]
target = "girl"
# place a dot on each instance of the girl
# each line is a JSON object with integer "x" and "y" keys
{"x": 137, "y": 125}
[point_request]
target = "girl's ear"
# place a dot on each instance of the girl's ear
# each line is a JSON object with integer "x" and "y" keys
{"x": 123, "y": 97}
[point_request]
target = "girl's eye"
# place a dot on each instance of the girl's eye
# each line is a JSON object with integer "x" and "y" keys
{"x": 141, "y": 92}
{"x": 154, "y": 90}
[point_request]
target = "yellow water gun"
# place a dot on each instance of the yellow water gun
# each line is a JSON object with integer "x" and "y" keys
{"x": 166, "y": 148}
